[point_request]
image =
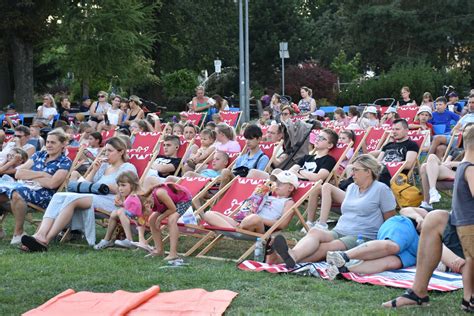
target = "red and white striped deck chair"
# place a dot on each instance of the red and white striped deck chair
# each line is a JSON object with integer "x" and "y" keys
{"x": 78, "y": 137}
{"x": 327, "y": 124}
{"x": 374, "y": 140}
{"x": 264, "y": 129}
{"x": 146, "y": 142}
{"x": 195, "y": 118}
{"x": 231, "y": 118}
{"x": 359, "y": 141}
{"x": 71, "y": 152}
{"x": 408, "y": 112}
{"x": 300, "y": 195}
{"x": 297, "y": 117}
{"x": 106, "y": 135}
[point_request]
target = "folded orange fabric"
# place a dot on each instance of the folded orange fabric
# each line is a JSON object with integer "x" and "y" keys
{"x": 186, "y": 302}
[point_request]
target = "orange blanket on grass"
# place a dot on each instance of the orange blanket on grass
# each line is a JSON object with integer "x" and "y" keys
{"x": 149, "y": 302}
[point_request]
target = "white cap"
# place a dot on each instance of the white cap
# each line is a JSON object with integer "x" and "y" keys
{"x": 286, "y": 177}
{"x": 391, "y": 110}
{"x": 371, "y": 109}
{"x": 424, "y": 108}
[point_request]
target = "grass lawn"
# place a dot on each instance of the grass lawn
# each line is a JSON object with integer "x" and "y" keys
{"x": 28, "y": 280}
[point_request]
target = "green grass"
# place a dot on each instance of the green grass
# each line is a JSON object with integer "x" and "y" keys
{"x": 28, "y": 280}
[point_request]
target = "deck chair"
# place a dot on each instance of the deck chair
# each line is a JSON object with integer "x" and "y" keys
{"x": 297, "y": 117}
{"x": 338, "y": 153}
{"x": 394, "y": 168}
{"x": 301, "y": 194}
{"x": 231, "y": 118}
{"x": 264, "y": 129}
{"x": 374, "y": 139}
{"x": 196, "y": 119}
{"x": 451, "y": 145}
{"x": 360, "y": 137}
{"x": 146, "y": 141}
{"x": 408, "y": 112}
{"x": 242, "y": 142}
{"x": 106, "y": 135}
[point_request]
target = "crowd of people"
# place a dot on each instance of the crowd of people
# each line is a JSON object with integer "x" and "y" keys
{"x": 369, "y": 237}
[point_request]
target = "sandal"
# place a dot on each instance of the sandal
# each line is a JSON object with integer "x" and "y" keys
{"x": 467, "y": 306}
{"x": 409, "y": 294}
{"x": 281, "y": 247}
{"x": 32, "y": 244}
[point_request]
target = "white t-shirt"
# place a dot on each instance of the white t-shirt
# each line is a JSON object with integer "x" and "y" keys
{"x": 48, "y": 112}
{"x": 362, "y": 213}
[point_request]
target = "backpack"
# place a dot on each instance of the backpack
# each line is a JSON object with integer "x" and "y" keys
{"x": 405, "y": 193}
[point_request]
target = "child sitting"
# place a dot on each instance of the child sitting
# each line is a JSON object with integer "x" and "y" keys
{"x": 130, "y": 209}
{"x": 199, "y": 154}
{"x": 178, "y": 129}
{"x": 389, "y": 116}
{"x": 270, "y": 209}
{"x": 15, "y": 158}
{"x": 219, "y": 162}
{"x": 346, "y": 137}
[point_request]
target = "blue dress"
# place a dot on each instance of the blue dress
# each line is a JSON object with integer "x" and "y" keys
{"x": 42, "y": 196}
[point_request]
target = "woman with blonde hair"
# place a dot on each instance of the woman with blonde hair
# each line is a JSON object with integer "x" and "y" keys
{"x": 99, "y": 109}
{"x": 77, "y": 208}
{"x": 307, "y": 104}
{"x": 46, "y": 112}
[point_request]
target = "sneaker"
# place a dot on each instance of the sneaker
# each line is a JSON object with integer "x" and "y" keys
{"x": 104, "y": 244}
{"x": 435, "y": 197}
{"x": 336, "y": 258}
{"x": 16, "y": 240}
{"x": 310, "y": 224}
{"x": 426, "y": 206}
{"x": 441, "y": 267}
{"x": 322, "y": 226}
{"x": 124, "y": 243}
{"x": 332, "y": 271}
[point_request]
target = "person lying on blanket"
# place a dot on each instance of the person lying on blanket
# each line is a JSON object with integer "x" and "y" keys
{"x": 269, "y": 208}
{"x": 395, "y": 248}
{"x": 365, "y": 206}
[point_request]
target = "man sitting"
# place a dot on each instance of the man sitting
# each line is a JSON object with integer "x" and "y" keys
{"x": 166, "y": 165}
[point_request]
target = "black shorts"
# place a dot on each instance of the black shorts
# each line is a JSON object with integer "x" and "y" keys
{"x": 451, "y": 239}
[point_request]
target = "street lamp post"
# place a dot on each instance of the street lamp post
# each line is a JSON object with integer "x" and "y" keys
{"x": 242, "y": 94}
{"x": 284, "y": 53}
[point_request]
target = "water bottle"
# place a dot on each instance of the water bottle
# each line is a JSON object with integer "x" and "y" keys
{"x": 258, "y": 253}
{"x": 360, "y": 240}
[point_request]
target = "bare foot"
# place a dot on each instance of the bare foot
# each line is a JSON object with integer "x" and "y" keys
{"x": 155, "y": 253}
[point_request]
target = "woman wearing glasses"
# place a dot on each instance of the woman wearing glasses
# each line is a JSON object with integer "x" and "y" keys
{"x": 366, "y": 204}
{"x": 99, "y": 109}
{"x": 286, "y": 113}
{"x": 46, "y": 112}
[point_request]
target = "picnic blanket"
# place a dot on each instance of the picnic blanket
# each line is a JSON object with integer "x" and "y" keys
{"x": 148, "y": 302}
{"x": 402, "y": 278}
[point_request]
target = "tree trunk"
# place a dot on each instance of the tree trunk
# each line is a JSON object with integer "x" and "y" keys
{"x": 6, "y": 93}
{"x": 23, "y": 74}
{"x": 85, "y": 88}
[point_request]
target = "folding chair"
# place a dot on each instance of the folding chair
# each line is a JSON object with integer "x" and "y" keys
{"x": 264, "y": 129}
{"x": 451, "y": 144}
{"x": 300, "y": 195}
{"x": 394, "y": 168}
{"x": 146, "y": 141}
{"x": 184, "y": 145}
{"x": 374, "y": 139}
{"x": 231, "y": 118}
{"x": 359, "y": 141}
{"x": 196, "y": 118}
{"x": 242, "y": 142}
{"x": 408, "y": 112}
{"x": 106, "y": 135}
{"x": 295, "y": 118}
{"x": 338, "y": 153}
{"x": 207, "y": 163}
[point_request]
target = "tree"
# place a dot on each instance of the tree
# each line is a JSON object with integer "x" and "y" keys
{"x": 106, "y": 39}
{"x": 25, "y": 23}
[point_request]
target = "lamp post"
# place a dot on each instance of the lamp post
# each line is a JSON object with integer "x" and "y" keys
{"x": 242, "y": 94}
{"x": 284, "y": 53}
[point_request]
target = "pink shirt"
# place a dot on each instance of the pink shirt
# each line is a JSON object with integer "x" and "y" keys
{"x": 182, "y": 195}
{"x": 232, "y": 146}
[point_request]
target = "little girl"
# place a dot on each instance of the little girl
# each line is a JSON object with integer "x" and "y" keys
{"x": 170, "y": 201}
{"x": 131, "y": 209}
{"x": 389, "y": 116}
{"x": 199, "y": 154}
{"x": 178, "y": 129}
{"x": 346, "y": 137}
{"x": 15, "y": 158}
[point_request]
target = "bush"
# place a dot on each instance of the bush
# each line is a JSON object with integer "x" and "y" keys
{"x": 322, "y": 81}
{"x": 419, "y": 77}
{"x": 179, "y": 83}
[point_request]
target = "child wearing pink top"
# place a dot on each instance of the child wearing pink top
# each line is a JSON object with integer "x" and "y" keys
{"x": 170, "y": 201}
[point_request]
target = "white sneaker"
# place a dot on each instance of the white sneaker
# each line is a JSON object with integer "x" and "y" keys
{"x": 124, "y": 243}
{"x": 332, "y": 271}
{"x": 335, "y": 258}
{"x": 322, "y": 226}
{"x": 441, "y": 267}
{"x": 16, "y": 240}
{"x": 435, "y": 197}
{"x": 426, "y": 206}
{"x": 310, "y": 224}
{"x": 103, "y": 244}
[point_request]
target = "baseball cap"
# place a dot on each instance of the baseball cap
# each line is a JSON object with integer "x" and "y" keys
{"x": 11, "y": 106}
{"x": 371, "y": 109}
{"x": 133, "y": 204}
{"x": 424, "y": 108}
{"x": 286, "y": 177}
{"x": 452, "y": 94}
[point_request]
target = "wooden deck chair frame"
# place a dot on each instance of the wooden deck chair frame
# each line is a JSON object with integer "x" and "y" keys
{"x": 242, "y": 234}
{"x": 276, "y": 149}
{"x": 451, "y": 144}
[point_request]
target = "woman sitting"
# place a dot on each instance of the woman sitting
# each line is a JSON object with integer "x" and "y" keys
{"x": 365, "y": 206}
{"x": 270, "y": 210}
{"x": 46, "y": 112}
{"x": 77, "y": 209}
{"x": 38, "y": 179}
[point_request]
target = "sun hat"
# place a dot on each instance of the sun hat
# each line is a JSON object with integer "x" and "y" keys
{"x": 371, "y": 109}
{"x": 135, "y": 99}
{"x": 285, "y": 177}
{"x": 424, "y": 108}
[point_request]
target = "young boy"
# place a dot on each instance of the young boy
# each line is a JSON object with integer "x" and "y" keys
{"x": 165, "y": 165}
{"x": 442, "y": 116}
{"x": 317, "y": 167}
{"x": 12, "y": 118}
{"x": 463, "y": 216}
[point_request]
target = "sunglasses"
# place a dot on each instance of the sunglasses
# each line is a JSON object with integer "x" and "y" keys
{"x": 358, "y": 169}
{"x": 101, "y": 96}
{"x": 19, "y": 136}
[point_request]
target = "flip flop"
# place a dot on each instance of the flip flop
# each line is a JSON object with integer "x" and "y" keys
{"x": 32, "y": 244}
{"x": 281, "y": 247}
